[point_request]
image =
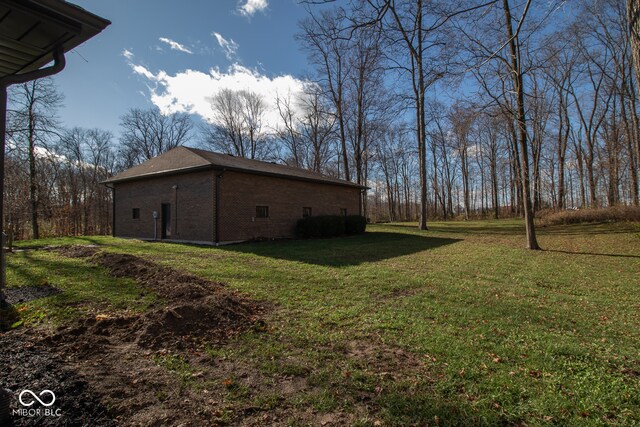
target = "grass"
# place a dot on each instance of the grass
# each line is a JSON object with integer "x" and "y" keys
{"x": 496, "y": 334}
{"x": 86, "y": 288}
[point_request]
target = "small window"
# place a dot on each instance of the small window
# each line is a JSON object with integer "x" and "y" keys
{"x": 262, "y": 211}
{"x": 306, "y": 212}
{"x": 135, "y": 214}
{"x": 343, "y": 211}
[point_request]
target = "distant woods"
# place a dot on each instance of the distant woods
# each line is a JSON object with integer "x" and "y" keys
{"x": 447, "y": 110}
{"x": 53, "y": 174}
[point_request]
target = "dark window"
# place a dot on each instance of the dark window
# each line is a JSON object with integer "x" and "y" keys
{"x": 135, "y": 214}
{"x": 262, "y": 211}
{"x": 343, "y": 211}
{"x": 306, "y": 212}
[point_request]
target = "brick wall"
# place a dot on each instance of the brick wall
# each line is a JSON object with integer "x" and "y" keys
{"x": 192, "y": 204}
{"x": 242, "y": 192}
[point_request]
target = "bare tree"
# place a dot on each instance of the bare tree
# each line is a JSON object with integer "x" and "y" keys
{"x": 509, "y": 93}
{"x": 633, "y": 19}
{"x": 323, "y": 37}
{"x": 289, "y": 132}
{"x": 149, "y": 133}
{"x": 462, "y": 120}
{"x": 317, "y": 127}
{"x": 32, "y": 124}
{"x": 89, "y": 158}
{"x": 237, "y": 124}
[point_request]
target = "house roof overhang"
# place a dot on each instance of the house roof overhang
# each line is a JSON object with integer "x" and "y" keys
{"x": 33, "y": 31}
{"x": 185, "y": 160}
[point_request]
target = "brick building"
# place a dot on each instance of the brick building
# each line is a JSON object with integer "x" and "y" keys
{"x": 199, "y": 196}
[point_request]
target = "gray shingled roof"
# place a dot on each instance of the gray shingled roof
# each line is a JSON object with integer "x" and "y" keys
{"x": 183, "y": 159}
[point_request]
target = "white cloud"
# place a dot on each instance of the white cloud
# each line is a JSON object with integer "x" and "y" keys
{"x": 250, "y": 7}
{"x": 174, "y": 45}
{"x": 229, "y": 46}
{"x": 141, "y": 70}
{"x": 127, "y": 54}
{"x": 191, "y": 91}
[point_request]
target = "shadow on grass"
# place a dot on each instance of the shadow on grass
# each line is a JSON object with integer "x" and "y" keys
{"x": 76, "y": 281}
{"x": 510, "y": 227}
{"x": 460, "y": 227}
{"x": 591, "y": 253}
{"x": 344, "y": 251}
{"x": 590, "y": 228}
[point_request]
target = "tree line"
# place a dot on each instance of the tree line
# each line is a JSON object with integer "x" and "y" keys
{"x": 444, "y": 109}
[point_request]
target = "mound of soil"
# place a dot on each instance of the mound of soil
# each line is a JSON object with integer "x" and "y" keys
{"x": 164, "y": 281}
{"x": 116, "y": 355}
{"x": 212, "y": 319}
{"x": 197, "y": 309}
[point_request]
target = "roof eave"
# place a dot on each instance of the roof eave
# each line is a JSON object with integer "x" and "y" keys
{"x": 115, "y": 179}
{"x": 296, "y": 178}
{"x": 233, "y": 169}
{"x": 87, "y": 26}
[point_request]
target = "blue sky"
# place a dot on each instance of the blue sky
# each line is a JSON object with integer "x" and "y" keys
{"x": 174, "y": 54}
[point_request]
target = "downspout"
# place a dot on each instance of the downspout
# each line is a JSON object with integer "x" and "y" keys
{"x": 5, "y": 82}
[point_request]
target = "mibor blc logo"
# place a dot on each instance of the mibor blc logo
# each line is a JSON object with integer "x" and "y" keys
{"x": 37, "y": 405}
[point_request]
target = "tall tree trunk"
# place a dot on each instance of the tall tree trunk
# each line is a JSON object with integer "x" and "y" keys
{"x": 33, "y": 189}
{"x": 563, "y": 137}
{"x": 422, "y": 149}
{"x": 630, "y": 138}
{"x": 532, "y": 242}
{"x": 633, "y": 17}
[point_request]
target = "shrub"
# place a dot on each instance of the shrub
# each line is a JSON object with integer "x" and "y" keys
{"x": 577, "y": 216}
{"x": 308, "y": 227}
{"x": 330, "y": 226}
{"x": 355, "y": 224}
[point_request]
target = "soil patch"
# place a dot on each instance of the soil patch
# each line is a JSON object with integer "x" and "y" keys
{"x": 29, "y": 365}
{"x": 384, "y": 360}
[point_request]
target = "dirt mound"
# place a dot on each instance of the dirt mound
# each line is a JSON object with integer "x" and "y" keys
{"x": 118, "y": 354}
{"x": 212, "y": 319}
{"x": 164, "y": 281}
{"x": 75, "y": 251}
{"x": 196, "y": 309}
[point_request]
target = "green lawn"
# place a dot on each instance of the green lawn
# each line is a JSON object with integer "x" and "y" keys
{"x": 458, "y": 325}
